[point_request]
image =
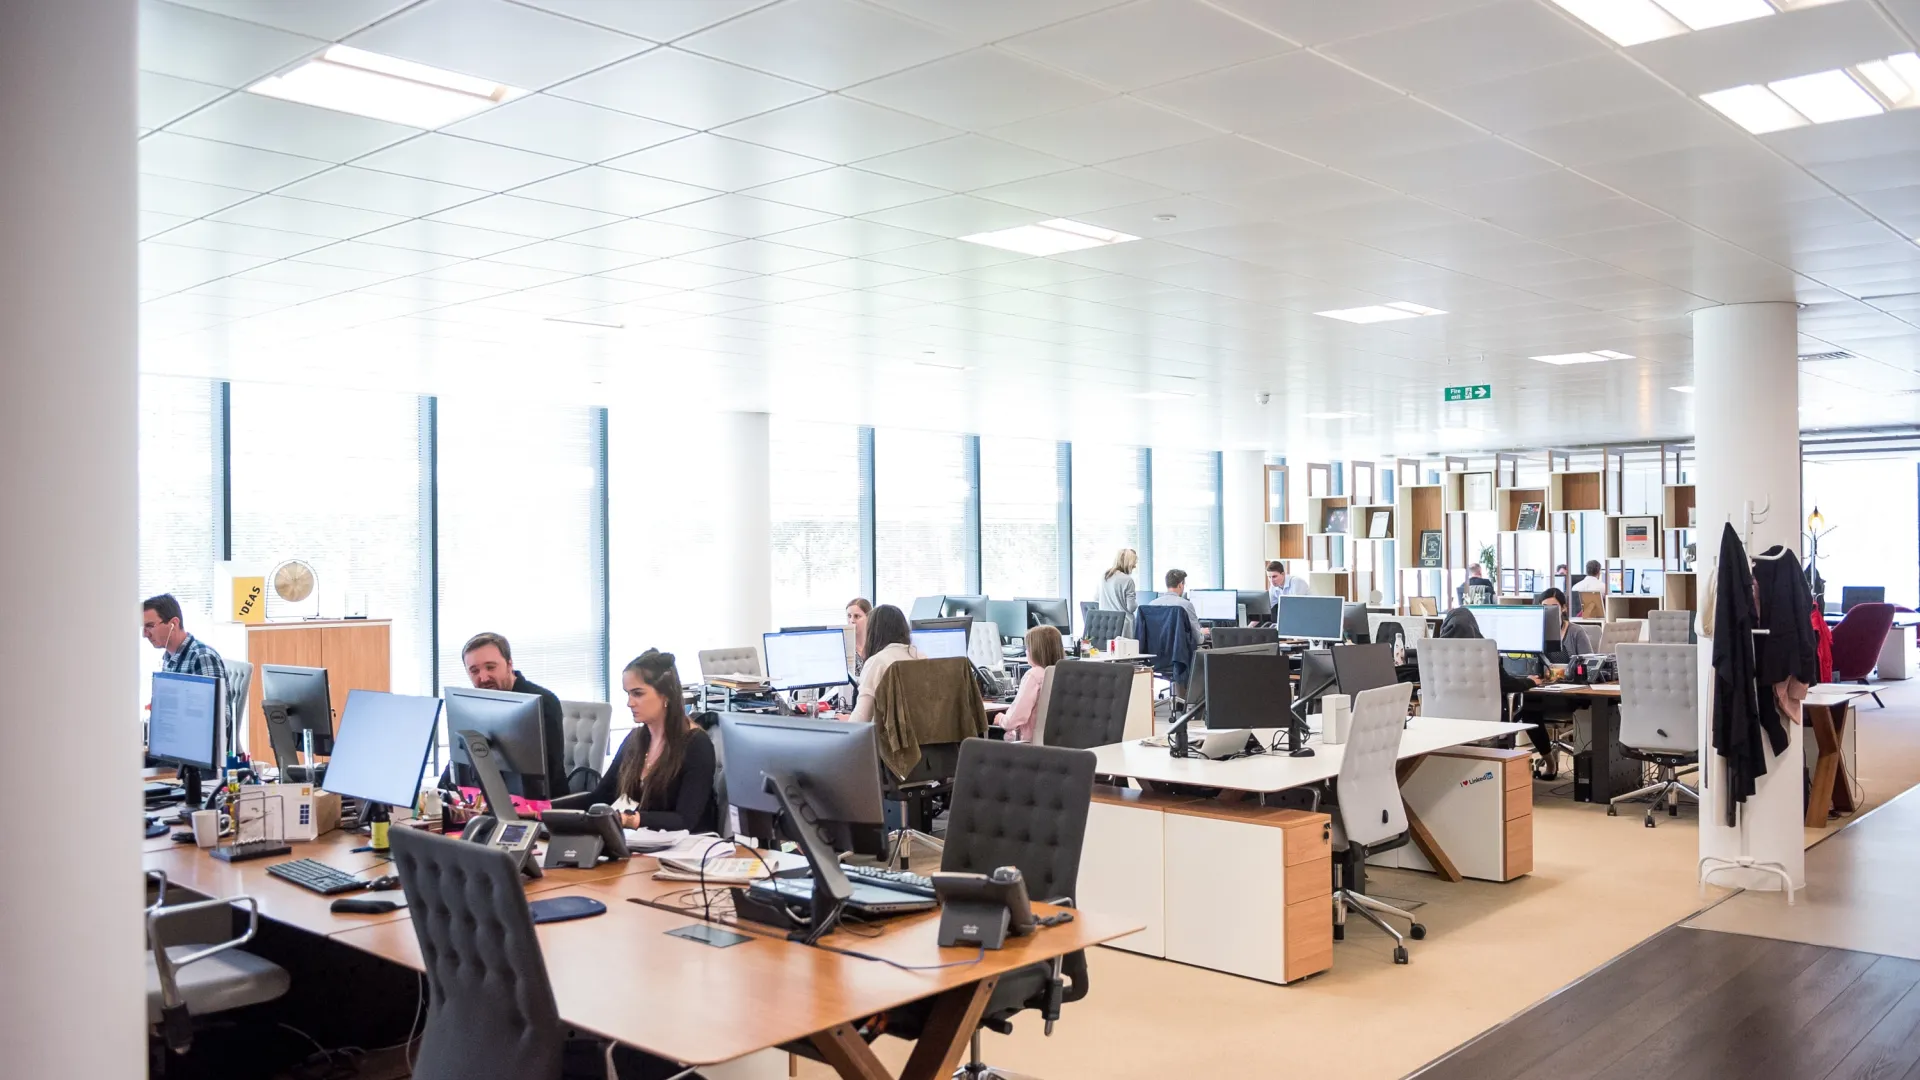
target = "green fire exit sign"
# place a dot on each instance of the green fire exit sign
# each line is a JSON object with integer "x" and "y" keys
{"x": 1469, "y": 393}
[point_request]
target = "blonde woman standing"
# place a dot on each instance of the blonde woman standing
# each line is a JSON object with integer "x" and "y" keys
{"x": 1117, "y": 590}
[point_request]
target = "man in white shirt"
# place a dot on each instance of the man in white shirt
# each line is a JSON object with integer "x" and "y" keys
{"x": 1594, "y": 581}
{"x": 1280, "y": 583}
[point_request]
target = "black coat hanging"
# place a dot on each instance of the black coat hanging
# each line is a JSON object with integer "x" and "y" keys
{"x": 1738, "y": 733}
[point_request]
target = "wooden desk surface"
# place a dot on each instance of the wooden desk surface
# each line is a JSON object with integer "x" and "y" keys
{"x": 1276, "y": 771}
{"x": 1604, "y": 690}
{"x": 190, "y": 868}
{"x": 622, "y": 976}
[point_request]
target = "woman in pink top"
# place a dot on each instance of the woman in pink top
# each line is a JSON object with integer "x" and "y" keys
{"x": 1044, "y": 649}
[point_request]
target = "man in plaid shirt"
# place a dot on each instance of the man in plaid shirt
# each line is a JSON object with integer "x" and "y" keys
{"x": 161, "y": 625}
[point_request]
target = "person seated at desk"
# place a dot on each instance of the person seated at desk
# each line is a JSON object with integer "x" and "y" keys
{"x": 489, "y": 663}
{"x": 1476, "y": 575}
{"x": 889, "y": 640}
{"x": 662, "y": 778}
{"x": 1176, "y": 596}
{"x": 1460, "y": 623}
{"x": 1280, "y": 583}
{"x": 1118, "y": 591}
{"x": 165, "y": 628}
{"x": 1044, "y": 649}
{"x": 1573, "y": 637}
{"x": 858, "y": 609}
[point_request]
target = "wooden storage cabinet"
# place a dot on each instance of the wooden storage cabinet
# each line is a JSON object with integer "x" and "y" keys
{"x": 1477, "y": 802}
{"x": 357, "y": 653}
{"x": 1229, "y": 867}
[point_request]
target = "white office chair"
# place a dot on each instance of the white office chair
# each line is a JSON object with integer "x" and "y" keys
{"x": 1659, "y": 714}
{"x": 1370, "y": 816}
{"x": 1614, "y": 632}
{"x": 189, "y": 980}
{"x": 1668, "y": 627}
{"x": 743, "y": 660}
{"x": 1460, "y": 678}
{"x": 584, "y": 725}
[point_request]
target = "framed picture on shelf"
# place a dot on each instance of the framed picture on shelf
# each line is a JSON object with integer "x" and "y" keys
{"x": 1336, "y": 520}
{"x": 1529, "y": 519}
{"x": 1616, "y": 580}
{"x": 1380, "y": 525}
{"x": 1636, "y": 537}
{"x": 1431, "y": 553}
{"x": 1479, "y": 491}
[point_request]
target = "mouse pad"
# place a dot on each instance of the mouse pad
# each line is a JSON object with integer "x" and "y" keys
{"x": 563, "y": 908}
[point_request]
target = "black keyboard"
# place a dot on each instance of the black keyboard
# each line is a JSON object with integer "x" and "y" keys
{"x": 898, "y": 880}
{"x": 252, "y": 849}
{"x": 317, "y": 876}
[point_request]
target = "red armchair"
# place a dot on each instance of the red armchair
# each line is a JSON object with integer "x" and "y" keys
{"x": 1857, "y": 641}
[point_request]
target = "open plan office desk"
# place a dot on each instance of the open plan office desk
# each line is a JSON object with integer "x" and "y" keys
{"x": 1827, "y": 712}
{"x": 621, "y": 976}
{"x": 1245, "y": 888}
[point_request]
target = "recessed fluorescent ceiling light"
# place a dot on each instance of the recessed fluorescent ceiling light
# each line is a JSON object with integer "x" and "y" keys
{"x": 1755, "y": 108}
{"x": 1681, "y": 389}
{"x": 1703, "y": 14}
{"x": 1334, "y": 415}
{"x": 1597, "y": 356}
{"x": 944, "y": 365}
{"x": 1161, "y": 395}
{"x": 1826, "y": 96}
{"x": 1050, "y": 237}
{"x": 355, "y": 81}
{"x": 1627, "y": 22}
{"x": 1374, "y": 313}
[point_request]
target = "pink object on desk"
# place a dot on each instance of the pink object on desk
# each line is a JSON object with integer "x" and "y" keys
{"x": 520, "y": 805}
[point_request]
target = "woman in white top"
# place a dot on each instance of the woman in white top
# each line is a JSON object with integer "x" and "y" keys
{"x": 1044, "y": 649}
{"x": 1117, "y": 590}
{"x": 889, "y": 639}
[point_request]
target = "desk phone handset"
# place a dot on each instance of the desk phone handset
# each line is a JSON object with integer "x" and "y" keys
{"x": 982, "y": 909}
{"x": 516, "y": 838}
{"x": 580, "y": 837}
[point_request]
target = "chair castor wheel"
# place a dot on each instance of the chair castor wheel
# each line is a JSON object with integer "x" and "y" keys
{"x": 1650, "y": 823}
{"x": 1673, "y": 809}
{"x": 1339, "y": 932}
{"x": 1399, "y": 954}
{"x": 1419, "y": 931}
{"x": 1612, "y": 810}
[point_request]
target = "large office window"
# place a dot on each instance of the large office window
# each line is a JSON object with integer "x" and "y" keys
{"x": 336, "y": 479}
{"x": 1870, "y": 505}
{"x": 1109, "y": 513}
{"x": 668, "y": 580}
{"x": 1186, "y": 516}
{"x": 520, "y": 537}
{"x": 180, "y": 462}
{"x": 1021, "y": 485}
{"x": 921, "y": 492}
{"x": 815, "y": 479}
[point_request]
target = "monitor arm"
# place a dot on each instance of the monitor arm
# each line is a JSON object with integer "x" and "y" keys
{"x": 831, "y": 889}
{"x": 492, "y": 784}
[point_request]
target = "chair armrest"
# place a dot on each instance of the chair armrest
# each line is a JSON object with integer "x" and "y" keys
{"x": 167, "y": 965}
{"x": 159, "y": 880}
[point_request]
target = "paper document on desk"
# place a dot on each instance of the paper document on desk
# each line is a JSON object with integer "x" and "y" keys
{"x": 648, "y": 841}
{"x": 689, "y": 850}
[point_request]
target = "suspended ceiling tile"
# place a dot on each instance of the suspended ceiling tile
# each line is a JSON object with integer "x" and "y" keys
{"x": 559, "y": 127}
{"x": 831, "y": 44}
{"x": 684, "y": 89}
{"x": 1145, "y": 43}
{"x": 499, "y": 41}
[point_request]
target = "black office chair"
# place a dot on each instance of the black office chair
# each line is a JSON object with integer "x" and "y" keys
{"x": 1102, "y": 624}
{"x": 1389, "y": 630}
{"x": 1020, "y": 805}
{"x": 1232, "y": 637}
{"x": 1088, "y": 704}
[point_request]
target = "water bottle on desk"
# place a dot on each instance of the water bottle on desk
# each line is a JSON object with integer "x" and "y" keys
{"x": 1399, "y": 649}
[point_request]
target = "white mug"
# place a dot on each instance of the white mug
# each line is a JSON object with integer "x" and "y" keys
{"x": 206, "y": 827}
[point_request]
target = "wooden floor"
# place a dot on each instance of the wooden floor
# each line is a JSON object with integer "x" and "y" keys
{"x": 1696, "y": 1003}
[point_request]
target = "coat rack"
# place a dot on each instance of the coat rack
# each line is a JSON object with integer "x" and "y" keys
{"x": 1713, "y": 864}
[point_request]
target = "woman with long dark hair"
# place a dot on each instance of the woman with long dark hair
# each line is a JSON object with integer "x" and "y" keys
{"x": 662, "y": 778}
{"x": 889, "y": 640}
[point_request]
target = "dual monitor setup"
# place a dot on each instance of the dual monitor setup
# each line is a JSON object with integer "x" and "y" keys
{"x": 1250, "y": 687}
{"x": 1013, "y": 617}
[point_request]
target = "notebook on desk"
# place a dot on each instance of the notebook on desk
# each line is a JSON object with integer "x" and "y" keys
{"x": 867, "y": 899}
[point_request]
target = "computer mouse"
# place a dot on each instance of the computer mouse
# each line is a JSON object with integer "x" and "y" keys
{"x": 382, "y": 884}
{"x": 352, "y": 906}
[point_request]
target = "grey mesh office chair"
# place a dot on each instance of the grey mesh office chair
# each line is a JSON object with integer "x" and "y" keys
{"x": 1460, "y": 678}
{"x": 1370, "y": 817}
{"x": 1230, "y": 637}
{"x": 1659, "y": 718}
{"x": 1669, "y": 627}
{"x": 1102, "y": 624}
{"x": 1614, "y": 632}
{"x": 1087, "y": 703}
{"x": 189, "y": 980}
{"x": 584, "y": 725}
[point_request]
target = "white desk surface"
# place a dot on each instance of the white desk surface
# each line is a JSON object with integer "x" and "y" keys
{"x": 1276, "y": 771}
{"x": 1830, "y": 694}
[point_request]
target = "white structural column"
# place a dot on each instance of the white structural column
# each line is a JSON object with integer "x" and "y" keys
{"x": 1243, "y": 502}
{"x": 1746, "y": 375}
{"x": 70, "y": 946}
{"x": 741, "y": 447}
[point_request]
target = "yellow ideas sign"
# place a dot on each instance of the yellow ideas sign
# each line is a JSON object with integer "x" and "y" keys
{"x": 249, "y": 599}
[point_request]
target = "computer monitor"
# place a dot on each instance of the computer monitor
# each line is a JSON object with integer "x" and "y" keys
{"x": 1251, "y": 690}
{"x": 955, "y": 606}
{"x": 1258, "y": 602}
{"x": 1009, "y": 615}
{"x": 183, "y": 727}
{"x": 381, "y": 751}
{"x": 821, "y": 782}
{"x": 1553, "y": 625}
{"x": 1363, "y": 667}
{"x": 963, "y": 622}
{"x": 298, "y": 700}
{"x": 1215, "y": 605}
{"x": 942, "y": 643}
{"x": 1513, "y": 627}
{"x": 1627, "y": 582}
{"x": 926, "y": 607}
{"x": 1197, "y": 677}
{"x": 1651, "y": 582}
{"x": 1316, "y": 617}
{"x": 1353, "y": 623}
{"x": 806, "y": 659}
{"x": 1056, "y": 612}
{"x": 1317, "y": 675}
{"x": 1851, "y": 595}
{"x": 511, "y": 724}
